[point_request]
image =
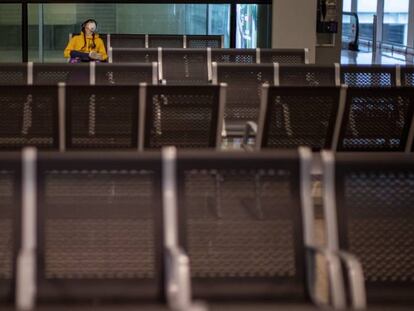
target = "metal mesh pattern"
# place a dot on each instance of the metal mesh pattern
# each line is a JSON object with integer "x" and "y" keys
{"x": 199, "y": 42}
{"x": 238, "y": 223}
{"x": 7, "y": 190}
{"x": 375, "y": 120}
{"x": 407, "y": 76}
{"x": 244, "y": 56}
{"x": 134, "y": 55}
{"x": 244, "y": 89}
{"x": 120, "y": 74}
{"x": 182, "y": 117}
{"x": 71, "y": 74}
{"x": 28, "y": 117}
{"x": 300, "y": 117}
{"x": 306, "y": 75}
{"x": 165, "y": 41}
{"x": 282, "y": 56}
{"x": 185, "y": 66}
{"x": 13, "y": 74}
{"x": 127, "y": 41}
{"x": 380, "y": 222}
{"x": 99, "y": 224}
{"x": 102, "y": 117}
{"x": 368, "y": 76}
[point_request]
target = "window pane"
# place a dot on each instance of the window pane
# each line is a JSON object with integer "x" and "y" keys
{"x": 347, "y": 6}
{"x": 10, "y": 33}
{"x": 366, "y": 11}
{"x": 253, "y": 26}
{"x": 395, "y": 24}
{"x": 57, "y": 21}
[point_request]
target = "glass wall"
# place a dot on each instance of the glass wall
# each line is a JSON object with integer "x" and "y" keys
{"x": 395, "y": 24}
{"x": 366, "y": 10}
{"x": 51, "y": 24}
{"x": 253, "y": 25}
{"x": 10, "y": 33}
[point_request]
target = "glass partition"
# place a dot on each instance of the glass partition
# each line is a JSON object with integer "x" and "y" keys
{"x": 10, "y": 33}
{"x": 253, "y": 25}
{"x": 51, "y": 24}
{"x": 395, "y": 25}
{"x": 366, "y": 11}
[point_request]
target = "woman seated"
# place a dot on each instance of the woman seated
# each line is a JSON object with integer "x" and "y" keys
{"x": 87, "y": 46}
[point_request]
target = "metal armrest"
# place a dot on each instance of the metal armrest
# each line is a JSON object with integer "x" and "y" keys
{"x": 250, "y": 128}
{"x": 178, "y": 279}
{"x": 356, "y": 279}
{"x": 335, "y": 275}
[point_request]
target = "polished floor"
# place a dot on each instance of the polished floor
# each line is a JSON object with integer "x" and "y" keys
{"x": 380, "y": 57}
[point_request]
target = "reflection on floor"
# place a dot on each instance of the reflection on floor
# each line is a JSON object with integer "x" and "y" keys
{"x": 380, "y": 57}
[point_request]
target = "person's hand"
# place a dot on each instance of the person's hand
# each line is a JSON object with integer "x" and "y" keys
{"x": 95, "y": 56}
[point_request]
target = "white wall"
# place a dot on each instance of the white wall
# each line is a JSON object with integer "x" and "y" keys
{"x": 294, "y": 25}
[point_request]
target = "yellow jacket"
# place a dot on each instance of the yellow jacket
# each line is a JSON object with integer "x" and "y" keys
{"x": 77, "y": 43}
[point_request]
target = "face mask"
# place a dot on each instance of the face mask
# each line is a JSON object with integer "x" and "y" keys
{"x": 92, "y": 27}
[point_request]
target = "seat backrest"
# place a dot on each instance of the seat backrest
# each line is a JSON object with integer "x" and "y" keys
{"x": 13, "y": 74}
{"x": 204, "y": 41}
{"x": 284, "y": 56}
{"x": 243, "y": 56}
{"x": 375, "y": 119}
{"x": 102, "y": 117}
{"x": 182, "y": 116}
{"x": 374, "y": 206}
{"x": 99, "y": 227}
{"x": 71, "y": 74}
{"x": 307, "y": 75}
{"x": 185, "y": 66}
{"x": 133, "y": 55}
{"x": 407, "y": 75}
{"x": 127, "y": 40}
{"x": 240, "y": 222}
{"x": 29, "y": 117}
{"x": 10, "y": 204}
{"x": 298, "y": 116}
{"x": 244, "y": 88}
{"x": 368, "y": 75}
{"x": 126, "y": 74}
{"x": 165, "y": 41}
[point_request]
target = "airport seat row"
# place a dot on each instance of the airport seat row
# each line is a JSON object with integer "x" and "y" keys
{"x": 222, "y": 227}
{"x": 209, "y": 55}
{"x": 141, "y": 117}
{"x": 165, "y": 41}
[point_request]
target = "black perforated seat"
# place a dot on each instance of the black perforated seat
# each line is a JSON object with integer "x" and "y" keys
{"x": 185, "y": 66}
{"x": 102, "y": 117}
{"x": 368, "y": 75}
{"x": 242, "y": 56}
{"x": 298, "y": 116}
{"x": 99, "y": 228}
{"x": 71, "y": 74}
{"x": 204, "y": 41}
{"x": 374, "y": 195}
{"x": 13, "y": 74}
{"x": 165, "y": 41}
{"x": 376, "y": 119}
{"x": 183, "y": 116}
{"x": 307, "y": 75}
{"x": 29, "y": 117}
{"x": 126, "y": 74}
{"x": 133, "y": 55}
{"x": 10, "y": 201}
{"x": 240, "y": 222}
{"x": 244, "y": 90}
{"x": 127, "y": 41}
{"x": 407, "y": 75}
{"x": 284, "y": 56}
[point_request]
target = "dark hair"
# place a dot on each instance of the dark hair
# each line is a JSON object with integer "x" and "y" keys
{"x": 83, "y": 25}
